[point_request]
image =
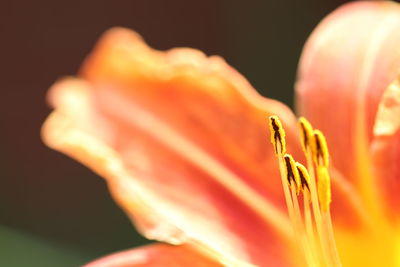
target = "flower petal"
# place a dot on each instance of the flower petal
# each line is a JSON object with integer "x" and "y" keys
{"x": 157, "y": 255}
{"x": 385, "y": 147}
{"x": 182, "y": 140}
{"x": 345, "y": 67}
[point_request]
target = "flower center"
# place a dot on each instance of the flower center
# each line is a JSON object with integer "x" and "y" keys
{"x": 307, "y": 193}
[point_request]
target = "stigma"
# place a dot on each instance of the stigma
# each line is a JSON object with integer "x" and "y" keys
{"x": 307, "y": 191}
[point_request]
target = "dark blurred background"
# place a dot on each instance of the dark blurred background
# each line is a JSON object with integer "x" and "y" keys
{"x": 55, "y": 212}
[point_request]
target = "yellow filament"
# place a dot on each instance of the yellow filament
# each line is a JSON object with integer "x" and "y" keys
{"x": 309, "y": 226}
{"x": 304, "y": 240}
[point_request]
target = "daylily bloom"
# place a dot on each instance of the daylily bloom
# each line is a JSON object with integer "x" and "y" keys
{"x": 182, "y": 141}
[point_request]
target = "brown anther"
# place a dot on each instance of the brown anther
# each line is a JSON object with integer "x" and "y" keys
{"x": 277, "y": 135}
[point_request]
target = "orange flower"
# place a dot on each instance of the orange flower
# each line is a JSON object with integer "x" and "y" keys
{"x": 182, "y": 141}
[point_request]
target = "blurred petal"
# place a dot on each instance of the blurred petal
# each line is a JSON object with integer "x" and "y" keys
{"x": 158, "y": 255}
{"x": 347, "y": 63}
{"x": 385, "y": 147}
{"x": 387, "y": 121}
{"x": 182, "y": 140}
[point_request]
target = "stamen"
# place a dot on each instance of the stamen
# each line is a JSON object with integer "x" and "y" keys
{"x": 306, "y": 133}
{"x": 292, "y": 173}
{"x": 321, "y": 154}
{"x": 304, "y": 176}
{"x": 317, "y": 244}
{"x": 277, "y": 135}
{"x": 309, "y": 150}
{"x": 288, "y": 172}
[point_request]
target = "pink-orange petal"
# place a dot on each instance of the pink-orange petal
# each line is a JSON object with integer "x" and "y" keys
{"x": 345, "y": 67}
{"x": 183, "y": 142}
{"x": 157, "y": 255}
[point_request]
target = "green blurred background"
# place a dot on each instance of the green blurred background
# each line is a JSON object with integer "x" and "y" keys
{"x": 55, "y": 212}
